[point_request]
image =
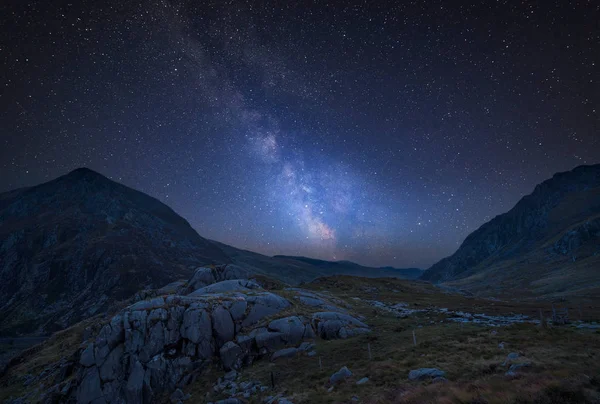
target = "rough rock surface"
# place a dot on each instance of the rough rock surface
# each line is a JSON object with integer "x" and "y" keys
{"x": 158, "y": 345}
{"x": 331, "y": 325}
{"x": 562, "y": 211}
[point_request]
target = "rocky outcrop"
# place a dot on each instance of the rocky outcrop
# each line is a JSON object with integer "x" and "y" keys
{"x": 160, "y": 344}
{"x": 331, "y": 325}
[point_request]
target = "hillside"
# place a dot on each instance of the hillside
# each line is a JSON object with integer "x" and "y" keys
{"x": 549, "y": 237}
{"x": 72, "y": 247}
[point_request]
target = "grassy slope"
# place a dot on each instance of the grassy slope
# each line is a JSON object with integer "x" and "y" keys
{"x": 565, "y": 360}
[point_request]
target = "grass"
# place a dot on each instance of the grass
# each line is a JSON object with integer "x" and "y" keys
{"x": 564, "y": 359}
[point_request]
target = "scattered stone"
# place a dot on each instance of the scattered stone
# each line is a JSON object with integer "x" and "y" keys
{"x": 232, "y": 400}
{"x": 362, "y": 381}
{"x": 340, "y": 375}
{"x": 439, "y": 379}
{"x": 284, "y": 353}
{"x": 511, "y": 356}
{"x": 177, "y": 396}
{"x": 306, "y": 346}
{"x": 332, "y": 325}
{"x": 424, "y": 373}
{"x": 232, "y": 375}
{"x": 501, "y": 345}
{"x": 512, "y": 371}
{"x": 311, "y": 353}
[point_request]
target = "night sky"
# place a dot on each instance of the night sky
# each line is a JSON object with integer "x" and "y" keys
{"x": 378, "y": 133}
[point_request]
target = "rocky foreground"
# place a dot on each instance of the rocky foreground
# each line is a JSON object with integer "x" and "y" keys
{"x": 158, "y": 345}
{"x": 227, "y": 337}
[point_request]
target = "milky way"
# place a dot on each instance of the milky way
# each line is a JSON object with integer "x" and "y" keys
{"x": 373, "y": 132}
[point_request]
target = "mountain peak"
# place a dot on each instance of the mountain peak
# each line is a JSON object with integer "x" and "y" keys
{"x": 84, "y": 173}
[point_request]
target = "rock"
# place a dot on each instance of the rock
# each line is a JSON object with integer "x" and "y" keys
{"x": 231, "y": 354}
{"x": 89, "y": 389}
{"x": 111, "y": 369}
{"x": 512, "y": 371}
{"x": 284, "y": 353}
{"x": 234, "y": 285}
{"x": 311, "y": 301}
{"x": 333, "y": 325}
{"x": 87, "y": 356}
{"x": 311, "y": 353}
{"x": 196, "y": 325}
{"x": 340, "y": 375}
{"x": 238, "y": 309}
{"x": 204, "y": 276}
{"x": 291, "y": 328}
{"x": 269, "y": 340}
{"x": 501, "y": 345}
{"x": 245, "y": 342}
{"x": 229, "y": 401}
{"x": 509, "y": 358}
{"x": 284, "y": 401}
{"x": 224, "y": 329}
{"x": 262, "y": 305}
{"x": 231, "y": 375}
{"x": 424, "y": 373}
{"x": 135, "y": 384}
{"x": 362, "y": 381}
{"x": 177, "y": 396}
{"x": 306, "y": 346}
{"x": 439, "y": 379}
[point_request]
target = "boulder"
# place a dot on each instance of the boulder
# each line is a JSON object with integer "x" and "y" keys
{"x": 222, "y": 323}
{"x": 269, "y": 340}
{"x": 262, "y": 305}
{"x": 90, "y": 388}
{"x": 284, "y": 353}
{"x": 135, "y": 384}
{"x": 291, "y": 328}
{"x": 231, "y": 355}
{"x": 510, "y": 357}
{"x": 362, "y": 381}
{"x": 87, "y": 356}
{"x": 112, "y": 367}
{"x": 333, "y": 325}
{"x": 196, "y": 325}
{"x": 340, "y": 375}
{"x": 234, "y": 285}
{"x": 204, "y": 276}
{"x": 425, "y": 373}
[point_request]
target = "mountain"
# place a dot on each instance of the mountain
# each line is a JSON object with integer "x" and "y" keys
{"x": 293, "y": 269}
{"x": 72, "y": 245}
{"x": 548, "y": 244}
{"x": 354, "y": 269}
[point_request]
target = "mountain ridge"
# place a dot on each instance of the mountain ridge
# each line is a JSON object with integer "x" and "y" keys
{"x": 73, "y": 246}
{"x": 557, "y": 206}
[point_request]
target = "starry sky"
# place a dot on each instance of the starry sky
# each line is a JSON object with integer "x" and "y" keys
{"x": 382, "y": 133}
